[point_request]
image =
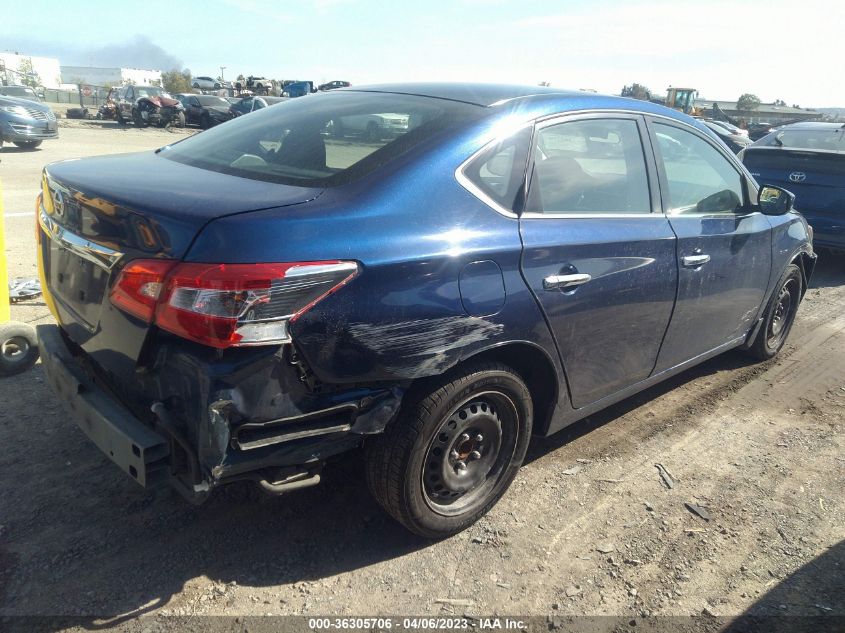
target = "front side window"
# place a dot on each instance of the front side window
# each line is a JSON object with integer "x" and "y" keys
{"x": 700, "y": 179}
{"x": 326, "y": 140}
{"x": 591, "y": 166}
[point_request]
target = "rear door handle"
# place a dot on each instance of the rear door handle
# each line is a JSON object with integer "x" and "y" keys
{"x": 694, "y": 261}
{"x": 560, "y": 282}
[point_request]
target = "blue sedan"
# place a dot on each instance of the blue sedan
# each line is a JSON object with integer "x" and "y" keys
{"x": 251, "y": 302}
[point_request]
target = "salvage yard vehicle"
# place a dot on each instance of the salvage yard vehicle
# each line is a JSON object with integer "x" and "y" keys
{"x": 736, "y": 142}
{"x": 373, "y": 127}
{"x": 26, "y": 123}
{"x": 205, "y": 110}
{"x": 809, "y": 158}
{"x": 205, "y": 83}
{"x": 333, "y": 85}
{"x": 21, "y": 92}
{"x": 251, "y": 104}
{"x": 148, "y": 105}
{"x": 262, "y": 297}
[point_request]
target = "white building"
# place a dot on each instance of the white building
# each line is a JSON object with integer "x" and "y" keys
{"x": 110, "y": 76}
{"x": 13, "y": 66}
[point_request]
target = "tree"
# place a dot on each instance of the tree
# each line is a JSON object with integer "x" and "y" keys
{"x": 637, "y": 91}
{"x": 27, "y": 74}
{"x": 176, "y": 80}
{"x": 748, "y": 102}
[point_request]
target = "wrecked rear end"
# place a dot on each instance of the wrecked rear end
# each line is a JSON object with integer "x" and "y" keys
{"x": 193, "y": 343}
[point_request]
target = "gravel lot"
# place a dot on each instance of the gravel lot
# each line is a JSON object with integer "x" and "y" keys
{"x": 589, "y": 526}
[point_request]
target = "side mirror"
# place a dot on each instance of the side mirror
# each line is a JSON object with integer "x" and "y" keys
{"x": 774, "y": 200}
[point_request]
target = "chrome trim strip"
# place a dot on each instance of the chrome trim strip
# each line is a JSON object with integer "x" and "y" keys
{"x": 97, "y": 254}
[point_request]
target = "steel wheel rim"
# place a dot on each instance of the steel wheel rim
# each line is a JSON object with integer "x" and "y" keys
{"x": 449, "y": 488}
{"x": 15, "y": 349}
{"x": 782, "y": 314}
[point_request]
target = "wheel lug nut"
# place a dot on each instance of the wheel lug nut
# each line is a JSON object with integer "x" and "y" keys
{"x": 464, "y": 437}
{"x": 479, "y": 438}
{"x": 475, "y": 455}
{"x": 461, "y": 466}
{"x": 454, "y": 454}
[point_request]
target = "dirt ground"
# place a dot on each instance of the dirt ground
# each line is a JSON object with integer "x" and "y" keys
{"x": 589, "y": 527}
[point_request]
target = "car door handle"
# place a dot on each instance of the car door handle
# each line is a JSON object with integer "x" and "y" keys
{"x": 694, "y": 261}
{"x": 559, "y": 282}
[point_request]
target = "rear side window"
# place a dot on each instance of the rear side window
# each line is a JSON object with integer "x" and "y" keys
{"x": 322, "y": 140}
{"x": 594, "y": 166}
{"x": 499, "y": 171}
{"x": 700, "y": 178}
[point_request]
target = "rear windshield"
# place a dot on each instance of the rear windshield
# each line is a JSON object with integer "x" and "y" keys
{"x": 832, "y": 139}
{"x": 321, "y": 140}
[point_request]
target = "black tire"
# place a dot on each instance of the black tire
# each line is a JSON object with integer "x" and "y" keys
{"x": 27, "y": 144}
{"x": 18, "y": 348}
{"x": 779, "y": 315}
{"x": 478, "y": 416}
{"x": 180, "y": 119}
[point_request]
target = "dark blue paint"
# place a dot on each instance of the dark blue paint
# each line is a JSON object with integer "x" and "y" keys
{"x": 482, "y": 288}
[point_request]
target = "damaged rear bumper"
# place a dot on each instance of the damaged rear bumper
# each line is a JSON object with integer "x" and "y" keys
{"x": 137, "y": 449}
{"x": 194, "y": 450}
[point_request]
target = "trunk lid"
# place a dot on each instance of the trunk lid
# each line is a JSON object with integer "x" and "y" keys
{"x": 103, "y": 212}
{"x": 817, "y": 178}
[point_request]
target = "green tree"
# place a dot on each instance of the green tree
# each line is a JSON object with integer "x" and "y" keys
{"x": 27, "y": 74}
{"x": 176, "y": 80}
{"x": 748, "y": 102}
{"x": 636, "y": 91}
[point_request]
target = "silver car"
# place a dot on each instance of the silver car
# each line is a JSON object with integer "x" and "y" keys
{"x": 26, "y": 123}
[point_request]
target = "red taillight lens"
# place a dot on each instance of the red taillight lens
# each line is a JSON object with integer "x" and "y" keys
{"x": 225, "y": 305}
{"x": 139, "y": 286}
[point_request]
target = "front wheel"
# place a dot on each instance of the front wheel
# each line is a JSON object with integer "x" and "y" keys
{"x": 452, "y": 455}
{"x": 28, "y": 144}
{"x": 779, "y": 315}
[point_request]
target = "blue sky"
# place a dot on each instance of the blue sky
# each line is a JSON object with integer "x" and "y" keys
{"x": 777, "y": 49}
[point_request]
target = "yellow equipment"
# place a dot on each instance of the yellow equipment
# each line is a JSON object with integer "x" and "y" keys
{"x": 682, "y": 99}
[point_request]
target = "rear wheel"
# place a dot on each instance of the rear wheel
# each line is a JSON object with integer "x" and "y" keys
{"x": 452, "y": 455}
{"x": 18, "y": 348}
{"x": 28, "y": 144}
{"x": 779, "y": 315}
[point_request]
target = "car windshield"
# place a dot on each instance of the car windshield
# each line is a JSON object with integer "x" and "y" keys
{"x": 19, "y": 91}
{"x": 208, "y": 100}
{"x": 323, "y": 141}
{"x": 149, "y": 91}
{"x": 831, "y": 139}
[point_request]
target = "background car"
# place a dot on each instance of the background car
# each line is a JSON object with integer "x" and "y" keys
{"x": 262, "y": 297}
{"x": 22, "y": 92}
{"x": 26, "y": 123}
{"x": 205, "y": 83}
{"x": 809, "y": 160}
{"x": 249, "y": 104}
{"x": 736, "y": 142}
{"x": 147, "y": 105}
{"x": 730, "y": 127}
{"x": 373, "y": 127}
{"x": 333, "y": 85}
{"x": 205, "y": 110}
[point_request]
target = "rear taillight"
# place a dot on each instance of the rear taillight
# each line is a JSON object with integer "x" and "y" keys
{"x": 227, "y": 305}
{"x": 139, "y": 286}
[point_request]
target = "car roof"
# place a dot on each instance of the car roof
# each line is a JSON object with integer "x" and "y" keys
{"x": 473, "y": 93}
